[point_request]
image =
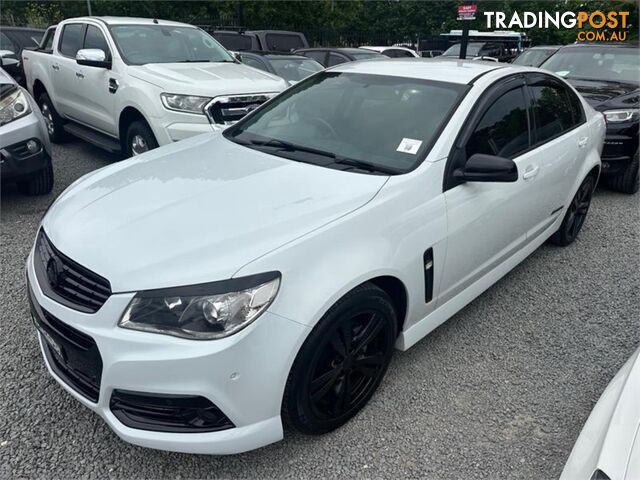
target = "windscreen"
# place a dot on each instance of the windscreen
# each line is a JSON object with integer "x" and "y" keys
{"x": 382, "y": 122}
{"x": 142, "y": 44}
{"x": 617, "y": 64}
{"x": 473, "y": 49}
{"x": 533, "y": 58}
{"x": 295, "y": 69}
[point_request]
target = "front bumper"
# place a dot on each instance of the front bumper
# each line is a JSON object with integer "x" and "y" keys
{"x": 243, "y": 375}
{"x": 15, "y": 159}
{"x": 620, "y": 147}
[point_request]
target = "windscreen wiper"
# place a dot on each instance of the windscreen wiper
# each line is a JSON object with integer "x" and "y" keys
{"x": 338, "y": 159}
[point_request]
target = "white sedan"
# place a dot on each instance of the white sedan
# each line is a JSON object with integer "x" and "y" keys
{"x": 608, "y": 447}
{"x": 202, "y": 295}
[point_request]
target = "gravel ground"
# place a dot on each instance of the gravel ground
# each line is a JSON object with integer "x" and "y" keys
{"x": 499, "y": 391}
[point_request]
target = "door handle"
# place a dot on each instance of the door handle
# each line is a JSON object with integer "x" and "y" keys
{"x": 583, "y": 142}
{"x": 530, "y": 172}
{"x": 79, "y": 75}
{"x": 55, "y": 67}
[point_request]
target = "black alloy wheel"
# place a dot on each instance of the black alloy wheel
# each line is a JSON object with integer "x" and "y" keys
{"x": 342, "y": 362}
{"x": 576, "y": 214}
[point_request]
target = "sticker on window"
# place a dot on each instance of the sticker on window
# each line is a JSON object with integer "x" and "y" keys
{"x": 409, "y": 145}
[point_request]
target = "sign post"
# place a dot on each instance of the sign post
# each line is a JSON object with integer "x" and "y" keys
{"x": 466, "y": 13}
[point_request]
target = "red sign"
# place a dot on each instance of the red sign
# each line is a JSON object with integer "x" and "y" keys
{"x": 467, "y": 12}
{"x": 466, "y": 9}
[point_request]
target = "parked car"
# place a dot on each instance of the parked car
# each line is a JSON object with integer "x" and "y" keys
{"x": 329, "y": 56}
{"x": 131, "y": 84}
{"x": 265, "y": 40}
{"x": 292, "y": 68}
{"x": 198, "y": 297}
{"x": 608, "y": 76}
{"x": 535, "y": 56}
{"x": 12, "y": 41}
{"x": 608, "y": 447}
{"x": 481, "y": 50}
{"x": 25, "y": 152}
{"x": 393, "y": 52}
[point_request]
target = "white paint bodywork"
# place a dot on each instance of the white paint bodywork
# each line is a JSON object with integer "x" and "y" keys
{"x": 208, "y": 209}
{"x": 610, "y": 439}
{"x": 384, "y": 49}
{"x": 80, "y": 93}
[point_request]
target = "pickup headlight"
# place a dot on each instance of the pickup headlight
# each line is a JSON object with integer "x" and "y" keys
{"x": 202, "y": 312}
{"x": 184, "y": 103}
{"x": 617, "y": 116}
{"x": 13, "y": 105}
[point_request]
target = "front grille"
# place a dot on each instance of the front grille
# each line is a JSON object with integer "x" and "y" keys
{"x": 226, "y": 110}
{"x": 67, "y": 282}
{"x": 168, "y": 412}
{"x": 72, "y": 355}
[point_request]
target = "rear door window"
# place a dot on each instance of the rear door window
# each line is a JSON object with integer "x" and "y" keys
{"x": 552, "y": 111}
{"x": 71, "y": 39}
{"x": 319, "y": 56}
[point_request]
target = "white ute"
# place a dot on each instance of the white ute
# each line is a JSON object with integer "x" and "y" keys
{"x": 133, "y": 84}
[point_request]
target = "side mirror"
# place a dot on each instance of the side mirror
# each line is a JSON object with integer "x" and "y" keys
{"x": 92, "y": 57}
{"x": 487, "y": 168}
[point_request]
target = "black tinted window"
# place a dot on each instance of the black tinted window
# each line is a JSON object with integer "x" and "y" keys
{"x": 71, "y": 40}
{"x": 253, "y": 62}
{"x": 283, "y": 42}
{"x": 503, "y": 129}
{"x": 335, "y": 59}
{"x": 318, "y": 56}
{"x": 552, "y": 111}
{"x": 47, "y": 44}
{"x": 94, "y": 39}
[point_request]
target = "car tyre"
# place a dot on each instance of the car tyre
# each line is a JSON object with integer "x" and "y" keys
{"x": 53, "y": 121}
{"x": 39, "y": 183}
{"x": 629, "y": 180}
{"x": 575, "y": 215}
{"x": 342, "y": 362}
{"x": 139, "y": 139}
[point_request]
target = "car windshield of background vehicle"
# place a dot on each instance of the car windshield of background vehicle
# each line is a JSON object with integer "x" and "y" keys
{"x": 473, "y": 49}
{"x": 364, "y": 55}
{"x": 593, "y": 63}
{"x": 533, "y": 58}
{"x": 293, "y": 69}
{"x": 142, "y": 44}
{"x": 383, "y": 124}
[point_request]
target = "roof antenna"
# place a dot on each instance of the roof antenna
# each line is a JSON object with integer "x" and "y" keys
{"x": 155, "y": 20}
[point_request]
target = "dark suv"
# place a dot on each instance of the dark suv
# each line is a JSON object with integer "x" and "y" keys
{"x": 608, "y": 76}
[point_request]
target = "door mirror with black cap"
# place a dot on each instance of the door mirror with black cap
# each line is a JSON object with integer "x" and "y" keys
{"x": 93, "y": 57}
{"x": 487, "y": 168}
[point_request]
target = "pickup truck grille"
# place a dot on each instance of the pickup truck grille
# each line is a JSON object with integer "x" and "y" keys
{"x": 227, "y": 110}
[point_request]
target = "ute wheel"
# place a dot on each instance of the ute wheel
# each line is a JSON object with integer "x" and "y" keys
{"x": 629, "y": 180}
{"x": 576, "y": 214}
{"x": 341, "y": 363}
{"x": 140, "y": 139}
{"x": 40, "y": 183}
{"x": 53, "y": 121}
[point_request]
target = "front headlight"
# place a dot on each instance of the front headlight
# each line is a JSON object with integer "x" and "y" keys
{"x": 617, "y": 116}
{"x": 184, "y": 103}
{"x": 202, "y": 312}
{"x": 13, "y": 105}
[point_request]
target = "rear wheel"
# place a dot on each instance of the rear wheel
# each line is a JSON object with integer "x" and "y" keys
{"x": 39, "y": 183}
{"x": 576, "y": 214}
{"x": 342, "y": 362}
{"x": 140, "y": 139}
{"x": 629, "y": 180}
{"x": 53, "y": 121}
